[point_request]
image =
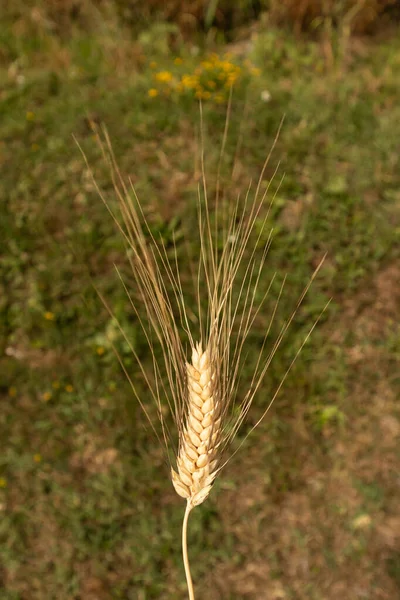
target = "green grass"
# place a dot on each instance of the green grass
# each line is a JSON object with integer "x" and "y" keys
{"x": 85, "y": 497}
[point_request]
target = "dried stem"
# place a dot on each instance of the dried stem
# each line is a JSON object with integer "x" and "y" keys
{"x": 185, "y": 551}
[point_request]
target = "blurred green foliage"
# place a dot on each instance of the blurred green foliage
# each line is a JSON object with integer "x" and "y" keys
{"x": 83, "y": 485}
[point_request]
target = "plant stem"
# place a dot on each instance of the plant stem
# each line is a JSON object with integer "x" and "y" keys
{"x": 185, "y": 552}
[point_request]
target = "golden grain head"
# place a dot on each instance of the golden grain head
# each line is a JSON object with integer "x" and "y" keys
{"x": 227, "y": 295}
{"x": 201, "y": 434}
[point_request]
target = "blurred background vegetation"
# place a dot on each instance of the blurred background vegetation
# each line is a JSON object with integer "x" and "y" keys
{"x": 308, "y": 509}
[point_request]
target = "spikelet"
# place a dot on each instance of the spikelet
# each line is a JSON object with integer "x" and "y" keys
{"x": 197, "y": 459}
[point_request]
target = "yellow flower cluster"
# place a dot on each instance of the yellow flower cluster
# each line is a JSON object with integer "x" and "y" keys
{"x": 164, "y": 76}
{"x": 211, "y": 80}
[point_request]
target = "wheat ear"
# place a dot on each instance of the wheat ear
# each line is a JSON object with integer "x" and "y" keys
{"x": 203, "y": 392}
{"x": 197, "y": 460}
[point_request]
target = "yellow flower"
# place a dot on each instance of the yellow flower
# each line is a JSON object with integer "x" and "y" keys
{"x": 69, "y": 388}
{"x": 227, "y": 66}
{"x": 153, "y": 64}
{"x": 56, "y": 385}
{"x": 12, "y": 391}
{"x": 49, "y": 316}
{"x": 37, "y": 458}
{"x": 178, "y": 60}
{"x": 3, "y": 482}
{"x": 211, "y": 84}
{"x": 30, "y": 116}
{"x": 152, "y": 93}
{"x": 164, "y": 76}
{"x": 100, "y": 350}
{"x": 46, "y": 396}
{"x": 189, "y": 81}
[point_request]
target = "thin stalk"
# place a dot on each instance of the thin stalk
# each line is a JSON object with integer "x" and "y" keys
{"x": 185, "y": 552}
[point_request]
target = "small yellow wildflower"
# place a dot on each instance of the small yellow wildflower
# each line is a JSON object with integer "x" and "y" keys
{"x": 178, "y": 60}
{"x": 153, "y": 64}
{"x": 30, "y": 116}
{"x": 100, "y": 350}
{"x": 56, "y": 385}
{"x": 189, "y": 81}
{"x": 230, "y": 80}
{"x": 152, "y": 93}
{"x": 227, "y": 66}
{"x": 3, "y": 482}
{"x": 46, "y": 396}
{"x": 12, "y": 391}
{"x": 37, "y": 458}
{"x": 164, "y": 76}
{"x": 49, "y": 316}
{"x": 203, "y": 94}
{"x": 69, "y": 388}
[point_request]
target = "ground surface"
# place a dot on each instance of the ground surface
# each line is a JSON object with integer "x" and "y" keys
{"x": 308, "y": 508}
